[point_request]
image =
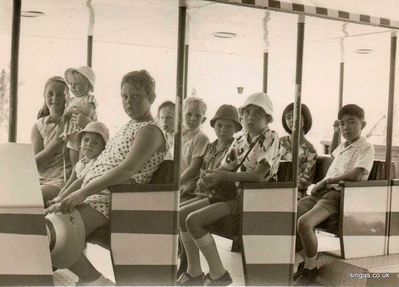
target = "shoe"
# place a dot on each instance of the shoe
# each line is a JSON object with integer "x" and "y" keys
{"x": 187, "y": 280}
{"x": 307, "y": 277}
{"x": 100, "y": 281}
{"x": 223, "y": 280}
{"x": 299, "y": 270}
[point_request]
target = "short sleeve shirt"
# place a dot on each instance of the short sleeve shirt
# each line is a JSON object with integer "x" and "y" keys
{"x": 266, "y": 149}
{"x": 306, "y": 163}
{"x": 212, "y": 157}
{"x": 83, "y": 166}
{"x": 193, "y": 145}
{"x": 359, "y": 154}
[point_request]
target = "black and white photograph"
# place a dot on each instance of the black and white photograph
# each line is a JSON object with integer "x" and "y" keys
{"x": 199, "y": 143}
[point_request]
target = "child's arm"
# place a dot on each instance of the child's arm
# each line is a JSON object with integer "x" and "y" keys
{"x": 192, "y": 171}
{"x": 75, "y": 185}
{"x": 353, "y": 175}
{"x": 213, "y": 177}
{"x": 140, "y": 152}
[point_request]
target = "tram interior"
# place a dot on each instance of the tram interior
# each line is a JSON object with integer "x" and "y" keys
{"x": 135, "y": 34}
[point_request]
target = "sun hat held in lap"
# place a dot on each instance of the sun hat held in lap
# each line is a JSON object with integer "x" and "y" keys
{"x": 261, "y": 100}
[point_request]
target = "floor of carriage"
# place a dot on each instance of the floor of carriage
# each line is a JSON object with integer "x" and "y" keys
{"x": 102, "y": 261}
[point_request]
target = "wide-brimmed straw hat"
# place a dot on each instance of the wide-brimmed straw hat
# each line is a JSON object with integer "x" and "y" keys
{"x": 94, "y": 127}
{"x": 227, "y": 112}
{"x": 261, "y": 100}
{"x": 86, "y": 71}
{"x": 307, "y": 117}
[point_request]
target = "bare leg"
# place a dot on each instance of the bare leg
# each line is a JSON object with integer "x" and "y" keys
{"x": 92, "y": 220}
{"x": 191, "y": 249}
{"x": 49, "y": 192}
{"x": 196, "y": 223}
{"x": 306, "y": 225}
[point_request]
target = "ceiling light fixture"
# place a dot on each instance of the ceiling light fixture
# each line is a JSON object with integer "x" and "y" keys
{"x": 31, "y": 14}
{"x": 224, "y": 35}
{"x": 364, "y": 51}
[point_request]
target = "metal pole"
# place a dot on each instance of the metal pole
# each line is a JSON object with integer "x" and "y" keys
{"x": 92, "y": 19}
{"x": 265, "y": 69}
{"x": 297, "y": 120}
{"x": 388, "y": 154}
{"x": 341, "y": 85}
{"x": 89, "y": 51}
{"x": 15, "y": 36}
{"x": 298, "y": 91}
{"x": 179, "y": 89}
{"x": 186, "y": 51}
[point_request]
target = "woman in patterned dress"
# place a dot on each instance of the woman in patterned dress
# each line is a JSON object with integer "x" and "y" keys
{"x": 307, "y": 153}
{"x": 128, "y": 157}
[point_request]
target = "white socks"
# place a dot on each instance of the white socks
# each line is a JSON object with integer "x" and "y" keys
{"x": 311, "y": 262}
{"x": 208, "y": 248}
{"x": 192, "y": 252}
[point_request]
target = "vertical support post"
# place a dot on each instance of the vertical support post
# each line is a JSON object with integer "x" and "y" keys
{"x": 90, "y": 34}
{"x": 89, "y": 51}
{"x": 15, "y": 36}
{"x": 341, "y": 84}
{"x": 186, "y": 52}
{"x": 297, "y": 120}
{"x": 388, "y": 153}
{"x": 265, "y": 70}
{"x": 179, "y": 88}
{"x": 298, "y": 92}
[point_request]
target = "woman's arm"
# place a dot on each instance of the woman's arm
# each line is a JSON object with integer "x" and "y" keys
{"x": 44, "y": 154}
{"x": 193, "y": 171}
{"x": 71, "y": 179}
{"x": 140, "y": 152}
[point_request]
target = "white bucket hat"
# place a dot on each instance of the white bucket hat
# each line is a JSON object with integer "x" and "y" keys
{"x": 86, "y": 71}
{"x": 261, "y": 100}
{"x": 94, "y": 127}
{"x": 67, "y": 237}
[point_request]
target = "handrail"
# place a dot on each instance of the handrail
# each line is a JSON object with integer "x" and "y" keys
{"x": 364, "y": 183}
{"x": 150, "y": 187}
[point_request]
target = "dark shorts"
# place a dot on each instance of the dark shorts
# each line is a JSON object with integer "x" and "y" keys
{"x": 328, "y": 199}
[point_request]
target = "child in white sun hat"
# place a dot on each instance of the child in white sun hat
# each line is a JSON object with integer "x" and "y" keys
{"x": 92, "y": 140}
{"x": 81, "y": 81}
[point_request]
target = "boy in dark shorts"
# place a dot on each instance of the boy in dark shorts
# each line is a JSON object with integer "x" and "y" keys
{"x": 353, "y": 161}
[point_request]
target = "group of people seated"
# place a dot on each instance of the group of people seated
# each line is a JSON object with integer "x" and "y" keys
{"x": 77, "y": 161}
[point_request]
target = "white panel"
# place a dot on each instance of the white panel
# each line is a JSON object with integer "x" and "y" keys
{"x": 375, "y": 20}
{"x": 262, "y": 3}
{"x": 22, "y": 210}
{"x": 143, "y": 249}
{"x": 363, "y": 246}
{"x": 366, "y": 199}
{"x": 268, "y": 249}
{"x": 277, "y": 199}
{"x": 144, "y": 201}
{"x": 24, "y": 254}
{"x": 310, "y": 10}
{"x": 333, "y": 13}
{"x": 354, "y": 17}
{"x": 17, "y": 162}
{"x": 395, "y": 199}
{"x": 393, "y": 244}
{"x": 286, "y": 6}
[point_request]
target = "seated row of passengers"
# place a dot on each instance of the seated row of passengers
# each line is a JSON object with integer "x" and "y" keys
{"x": 255, "y": 151}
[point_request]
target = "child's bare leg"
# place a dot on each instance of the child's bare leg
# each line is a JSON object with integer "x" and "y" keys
{"x": 306, "y": 225}
{"x": 196, "y": 222}
{"x": 192, "y": 251}
{"x": 92, "y": 219}
{"x": 49, "y": 192}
